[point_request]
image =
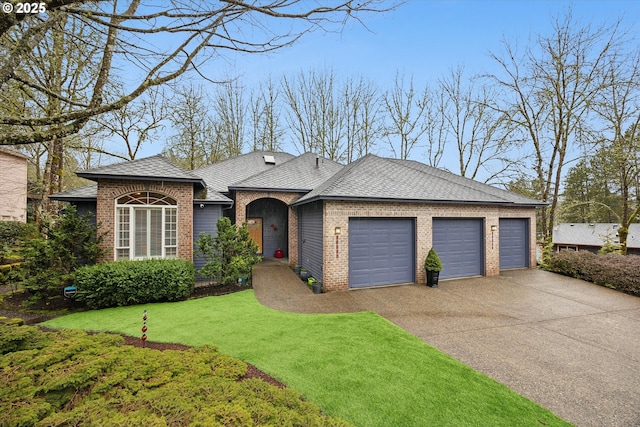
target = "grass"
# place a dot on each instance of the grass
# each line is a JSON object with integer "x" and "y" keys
{"x": 357, "y": 366}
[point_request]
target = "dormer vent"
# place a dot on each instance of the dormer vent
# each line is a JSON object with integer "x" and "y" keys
{"x": 269, "y": 160}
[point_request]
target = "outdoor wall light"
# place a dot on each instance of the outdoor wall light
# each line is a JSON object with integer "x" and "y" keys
{"x": 494, "y": 228}
{"x": 337, "y": 231}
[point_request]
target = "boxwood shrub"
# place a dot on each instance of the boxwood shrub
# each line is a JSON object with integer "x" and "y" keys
{"x": 122, "y": 283}
{"x": 612, "y": 270}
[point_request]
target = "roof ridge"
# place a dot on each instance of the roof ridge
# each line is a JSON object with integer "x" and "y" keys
{"x": 243, "y": 155}
{"x": 333, "y": 179}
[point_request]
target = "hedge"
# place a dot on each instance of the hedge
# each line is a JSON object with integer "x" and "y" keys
{"x": 122, "y": 283}
{"x": 611, "y": 270}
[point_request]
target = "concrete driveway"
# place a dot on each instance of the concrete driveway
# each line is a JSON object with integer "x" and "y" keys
{"x": 571, "y": 346}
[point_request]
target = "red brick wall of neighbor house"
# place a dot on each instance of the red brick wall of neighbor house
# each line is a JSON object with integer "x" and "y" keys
{"x": 243, "y": 198}
{"x": 110, "y": 190}
{"x": 337, "y": 213}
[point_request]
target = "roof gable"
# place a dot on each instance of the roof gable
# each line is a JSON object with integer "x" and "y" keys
{"x": 219, "y": 176}
{"x": 376, "y": 178}
{"x": 149, "y": 168}
{"x": 302, "y": 173}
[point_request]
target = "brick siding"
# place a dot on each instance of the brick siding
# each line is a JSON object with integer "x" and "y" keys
{"x": 337, "y": 214}
{"x": 110, "y": 190}
{"x": 244, "y": 198}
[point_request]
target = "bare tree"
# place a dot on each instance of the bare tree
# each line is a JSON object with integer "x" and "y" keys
{"x": 57, "y": 65}
{"x": 267, "y": 130}
{"x": 362, "y": 118}
{"x": 230, "y": 111}
{"x": 436, "y": 128}
{"x": 315, "y": 113}
{"x": 195, "y": 142}
{"x": 480, "y": 133}
{"x": 156, "y": 44}
{"x": 135, "y": 123}
{"x": 406, "y": 109}
{"x": 551, "y": 89}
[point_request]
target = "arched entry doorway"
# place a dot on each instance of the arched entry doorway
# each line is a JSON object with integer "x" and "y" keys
{"x": 268, "y": 224}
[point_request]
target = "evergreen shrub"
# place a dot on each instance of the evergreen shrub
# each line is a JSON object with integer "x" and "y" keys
{"x": 123, "y": 283}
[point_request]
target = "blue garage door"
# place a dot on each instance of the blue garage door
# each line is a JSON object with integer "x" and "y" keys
{"x": 514, "y": 243}
{"x": 381, "y": 251}
{"x": 459, "y": 243}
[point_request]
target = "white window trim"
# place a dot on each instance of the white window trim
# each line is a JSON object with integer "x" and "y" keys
{"x": 171, "y": 205}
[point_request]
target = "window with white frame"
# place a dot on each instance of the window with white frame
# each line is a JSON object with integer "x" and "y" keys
{"x": 146, "y": 226}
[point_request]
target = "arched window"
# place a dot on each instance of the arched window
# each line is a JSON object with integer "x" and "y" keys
{"x": 146, "y": 226}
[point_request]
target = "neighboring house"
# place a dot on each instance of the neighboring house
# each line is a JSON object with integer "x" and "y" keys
{"x": 13, "y": 185}
{"x": 369, "y": 223}
{"x": 591, "y": 237}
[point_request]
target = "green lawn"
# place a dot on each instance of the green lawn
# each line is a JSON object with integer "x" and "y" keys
{"x": 356, "y": 366}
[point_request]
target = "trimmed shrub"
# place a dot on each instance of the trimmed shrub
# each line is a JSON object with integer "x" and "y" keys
{"x": 614, "y": 271}
{"x": 122, "y": 283}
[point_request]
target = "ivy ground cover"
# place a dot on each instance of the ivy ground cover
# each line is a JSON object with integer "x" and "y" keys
{"x": 356, "y": 366}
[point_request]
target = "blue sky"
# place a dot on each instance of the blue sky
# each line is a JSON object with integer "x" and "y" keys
{"x": 423, "y": 39}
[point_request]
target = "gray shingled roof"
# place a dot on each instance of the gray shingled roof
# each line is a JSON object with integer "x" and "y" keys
{"x": 211, "y": 196}
{"x": 219, "y": 176}
{"x": 88, "y": 192}
{"x": 151, "y": 168}
{"x": 593, "y": 234}
{"x": 376, "y": 178}
{"x": 298, "y": 174}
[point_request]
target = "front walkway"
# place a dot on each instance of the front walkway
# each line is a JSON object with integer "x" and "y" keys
{"x": 569, "y": 345}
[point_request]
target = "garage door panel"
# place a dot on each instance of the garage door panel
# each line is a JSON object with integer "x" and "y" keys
{"x": 460, "y": 245}
{"x": 381, "y": 251}
{"x": 514, "y": 243}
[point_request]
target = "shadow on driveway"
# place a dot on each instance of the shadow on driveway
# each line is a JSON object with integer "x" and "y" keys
{"x": 571, "y": 346}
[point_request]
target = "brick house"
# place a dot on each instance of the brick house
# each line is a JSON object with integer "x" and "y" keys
{"x": 369, "y": 223}
{"x": 13, "y": 185}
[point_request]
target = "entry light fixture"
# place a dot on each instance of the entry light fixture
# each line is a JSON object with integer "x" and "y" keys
{"x": 494, "y": 228}
{"x": 337, "y": 231}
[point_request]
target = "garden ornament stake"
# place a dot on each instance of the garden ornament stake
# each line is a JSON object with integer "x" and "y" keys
{"x": 144, "y": 327}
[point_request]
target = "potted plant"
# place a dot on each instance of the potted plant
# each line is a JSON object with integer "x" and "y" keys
{"x": 315, "y": 285}
{"x": 304, "y": 274}
{"x": 433, "y": 266}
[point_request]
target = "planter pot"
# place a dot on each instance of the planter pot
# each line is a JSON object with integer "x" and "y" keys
{"x": 304, "y": 275}
{"x": 432, "y": 278}
{"x": 317, "y": 287}
{"x": 296, "y": 269}
{"x": 242, "y": 281}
